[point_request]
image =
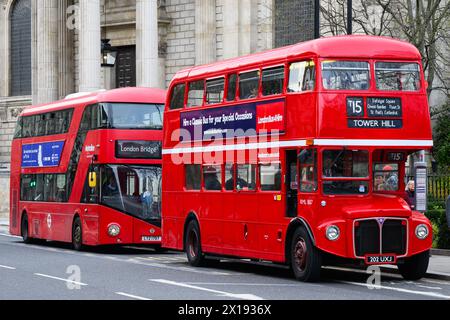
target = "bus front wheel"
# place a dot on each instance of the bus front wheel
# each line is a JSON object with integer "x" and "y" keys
{"x": 415, "y": 267}
{"x": 305, "y": 258}
{"x": 77, "y": 235}
{"x": 193, "y": 246}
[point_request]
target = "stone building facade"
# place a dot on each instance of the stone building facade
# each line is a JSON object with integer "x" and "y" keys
{"x": 51, "y": 48}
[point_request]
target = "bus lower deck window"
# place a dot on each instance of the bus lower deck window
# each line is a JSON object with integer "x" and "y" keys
{"x": 193, "y": 177}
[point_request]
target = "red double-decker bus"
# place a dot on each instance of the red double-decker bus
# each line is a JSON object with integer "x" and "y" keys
{"x": 87, "y": 169}
{"x": 297, "y": 156}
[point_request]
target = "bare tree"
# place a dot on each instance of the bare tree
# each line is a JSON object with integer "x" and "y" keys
{"x": 424, "y": 23}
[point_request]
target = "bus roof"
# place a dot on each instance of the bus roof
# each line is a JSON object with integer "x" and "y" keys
{"x": 348, "y": 46}
{"x": 122, "y": 95}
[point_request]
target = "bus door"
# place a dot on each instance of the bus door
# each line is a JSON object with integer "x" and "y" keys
{"x": 291, "y": 183}
{"x": 89, "y": 205}
{"x": 308, "y": 184}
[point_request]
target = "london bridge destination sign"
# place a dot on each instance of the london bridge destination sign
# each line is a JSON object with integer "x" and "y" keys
{"x": 138, "y": 149}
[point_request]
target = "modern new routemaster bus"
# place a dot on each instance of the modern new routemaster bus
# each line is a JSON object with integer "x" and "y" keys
{"x": 87, "y": 169}
{"x": 297, "y": 156}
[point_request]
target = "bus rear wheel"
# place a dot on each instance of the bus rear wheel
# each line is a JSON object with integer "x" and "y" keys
{"x": 415, "y": 267}
{"x": 77, "y": 235}
{"x": 306, "y": 260}
{"x": 193, "y": 246}
{"x": 24, "y": 230}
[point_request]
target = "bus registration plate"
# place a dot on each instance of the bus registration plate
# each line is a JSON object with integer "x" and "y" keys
{"x": 150, "y": 238}
{"x": 381, "y": 259}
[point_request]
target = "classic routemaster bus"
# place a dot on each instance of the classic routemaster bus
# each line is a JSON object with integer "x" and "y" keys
{"x": 297, "y": 155}
{"x": 87, "y": 169}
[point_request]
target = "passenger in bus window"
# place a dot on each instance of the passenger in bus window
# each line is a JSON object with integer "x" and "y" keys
{"x": 111, "y": 188}
{"x": 229, "y": 184}
{"x": 379, "y": 183}
{"x": 329, "y": 166}
{"x": 212, "y": 181}
{"x": 391, "y": 178}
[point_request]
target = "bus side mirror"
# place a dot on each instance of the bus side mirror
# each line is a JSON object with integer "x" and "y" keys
{"x": 92, "y": 179}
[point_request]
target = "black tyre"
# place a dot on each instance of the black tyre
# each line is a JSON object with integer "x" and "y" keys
{"x": 77, "y": 235}
{"x": 415, "y": 267}
{"x": 306, "y": 259}
{"x": 24, "y": 230}
{"x": 193, "y": 245}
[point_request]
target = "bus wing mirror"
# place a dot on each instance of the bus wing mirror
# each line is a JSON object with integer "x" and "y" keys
{"x": 92, "y": 179}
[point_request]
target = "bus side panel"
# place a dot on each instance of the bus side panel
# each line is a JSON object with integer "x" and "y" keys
{"x": 173, "y": 212}
{"x": 212, "y": 230}
{"x": 271, "y": 215}
{"x": 14, "y": 197}
{"x": 301, "y": 115}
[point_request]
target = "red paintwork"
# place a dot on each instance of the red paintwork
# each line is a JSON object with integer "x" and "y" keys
{"x": 318, "y": 114}
{"x": 95, "y": 218}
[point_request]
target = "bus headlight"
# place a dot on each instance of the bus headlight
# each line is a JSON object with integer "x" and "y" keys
{"x": 333, "y": 233}
{"x": 113, "y": 230}
{"x": 422, "y": 231}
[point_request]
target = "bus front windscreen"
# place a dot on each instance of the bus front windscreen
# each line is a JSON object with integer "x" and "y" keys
{"x": 134, "y": 190}
{"x": 133, "y": 116}
{"x": 340, "y": 166}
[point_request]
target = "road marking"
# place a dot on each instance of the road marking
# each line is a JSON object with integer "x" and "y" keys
{"x": 244, "y": 296}
{"x": 423, "y": 293}
{"x": 10, "y": 236}
{"x": 244, "y": 284}
{"x": 428, "y": 287}
{"x": 131, "y": 296}
{"x": 6, "y": 267}
{"x": 60, "y": 279}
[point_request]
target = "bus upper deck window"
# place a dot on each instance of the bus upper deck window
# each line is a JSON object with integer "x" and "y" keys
{"x": 249, "y": 85}
{"x": 272, "y": 81}
{"x": 215, "y": 90}
{"x": 345, "y": 75}
{"x": 397, "y": 76}
{"x": 302, "y": 76}
{"x": 177, "y": 98}
{"x": 195, "y": 94}
{"x": 232, "y": 85}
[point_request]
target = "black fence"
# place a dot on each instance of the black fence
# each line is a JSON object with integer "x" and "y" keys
{"x": 438, "y": 187}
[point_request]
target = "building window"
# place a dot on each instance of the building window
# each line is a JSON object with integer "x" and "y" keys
{"x": 20, "y": 48}
{"x": 294, "y": 21}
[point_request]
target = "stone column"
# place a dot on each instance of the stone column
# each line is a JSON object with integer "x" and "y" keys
{"x": 240, "y": 27}
{"x": 248, "y": 29}
{"x": 90, "y": 46}
{"x": 231, "y": 28}
{"x": 3, "y": 52}
{"x": 65, "y": 44}
{"x": 147, "y": 40}
{"x": 46, "y": 51}
{"x": 205, "y": 31}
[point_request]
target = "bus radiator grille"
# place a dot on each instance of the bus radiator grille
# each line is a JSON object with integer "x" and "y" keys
{"x": 369, "y": 234}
